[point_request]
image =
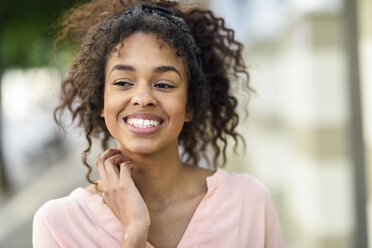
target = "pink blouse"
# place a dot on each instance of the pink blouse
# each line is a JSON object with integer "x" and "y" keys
{"x": 236, "y": 211}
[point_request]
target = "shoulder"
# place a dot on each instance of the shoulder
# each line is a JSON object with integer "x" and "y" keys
{"x": 51, "y": 219}
{"x": 249, "y": 197}
{"x": 73, "y": 221}
{"x": 245, "y": 187}
{"x": 245, "y": 182}
{"x": 252, "y": 206}
{"x": 59, "y": 210}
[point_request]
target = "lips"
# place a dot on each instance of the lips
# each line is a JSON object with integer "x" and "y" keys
{"x": 143, "y": 123}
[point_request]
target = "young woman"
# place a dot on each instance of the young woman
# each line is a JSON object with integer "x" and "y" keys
{"x": 156, "y": 76}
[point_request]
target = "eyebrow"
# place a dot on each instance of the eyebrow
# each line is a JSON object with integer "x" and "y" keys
{"x": 122, "y": 68}
{"x": 159, "y": 69}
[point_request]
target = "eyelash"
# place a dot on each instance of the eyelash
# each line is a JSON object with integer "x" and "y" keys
{"x": 160, "y": 85}
{"x": 123, "y": 83}
{"x": 164, "y": 86}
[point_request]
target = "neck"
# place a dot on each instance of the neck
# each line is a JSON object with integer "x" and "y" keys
{"x": 159, "y": 177}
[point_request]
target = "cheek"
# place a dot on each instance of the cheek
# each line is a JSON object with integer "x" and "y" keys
{"x": 177, "y": 109}
{"x": 110, "y": 114}
{"x": 113, "y": 106}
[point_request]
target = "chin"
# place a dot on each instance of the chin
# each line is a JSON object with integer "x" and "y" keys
{"x": 142, "y": 151}
{"x": 139, "y": 149}
{"x": 147, "y": 147}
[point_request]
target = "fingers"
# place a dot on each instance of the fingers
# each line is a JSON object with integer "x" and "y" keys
{"x": 100, "y": 162}
{"x": 112, "y": 166}
{"x": 109, "y": 167}
{"x": 125, "y": 169}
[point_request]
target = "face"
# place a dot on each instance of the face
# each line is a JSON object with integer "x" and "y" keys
{"x": 145, "y": 95}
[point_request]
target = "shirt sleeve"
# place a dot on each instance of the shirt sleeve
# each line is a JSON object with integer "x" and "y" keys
{"x": 42, "y": 236}
{"x": 273, "y": 235}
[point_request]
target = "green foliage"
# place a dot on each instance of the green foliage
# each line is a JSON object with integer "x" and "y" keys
{"x": 27, "y": 31}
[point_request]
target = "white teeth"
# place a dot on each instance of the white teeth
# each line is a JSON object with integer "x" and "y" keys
{"x": 143, "y": 123}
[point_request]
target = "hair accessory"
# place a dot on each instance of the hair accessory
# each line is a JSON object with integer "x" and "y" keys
{"x": 172, "y": 17}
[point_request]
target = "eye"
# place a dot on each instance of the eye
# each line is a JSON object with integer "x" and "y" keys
{"x": 163, "y": 85}
{"x": 122, "y": 83}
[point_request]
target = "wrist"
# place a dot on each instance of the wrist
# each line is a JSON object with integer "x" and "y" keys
{"x": 134, "y": 239}
{"x": 135, "y": 228}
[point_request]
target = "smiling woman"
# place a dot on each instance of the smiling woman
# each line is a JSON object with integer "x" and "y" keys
{"x": 156, "y": 77}
{"x": 145, "y": 82}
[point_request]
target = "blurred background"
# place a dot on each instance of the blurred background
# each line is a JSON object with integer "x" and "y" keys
{"x": 308, "y": 135}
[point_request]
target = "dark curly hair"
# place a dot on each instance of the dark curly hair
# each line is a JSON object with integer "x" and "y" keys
{"x": 99, "y": 26}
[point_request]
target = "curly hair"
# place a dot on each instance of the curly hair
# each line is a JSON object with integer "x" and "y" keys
{"x": 99, "y": 26}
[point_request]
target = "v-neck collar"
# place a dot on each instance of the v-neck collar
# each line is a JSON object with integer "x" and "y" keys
{"x": 202, "y": 216}
{"x": 194, "y": 231}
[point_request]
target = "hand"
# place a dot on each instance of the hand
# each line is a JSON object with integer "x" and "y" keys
{"x": 121, "y": 194}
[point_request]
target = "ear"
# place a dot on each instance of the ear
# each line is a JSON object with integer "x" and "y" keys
{"x": 188, "y": 116}
{"x": 102, "y": 113}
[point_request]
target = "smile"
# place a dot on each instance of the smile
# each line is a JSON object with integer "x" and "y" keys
{"x": 142, "y": 123}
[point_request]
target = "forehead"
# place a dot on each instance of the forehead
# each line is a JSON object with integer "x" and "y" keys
{"x": 143, "y": 48}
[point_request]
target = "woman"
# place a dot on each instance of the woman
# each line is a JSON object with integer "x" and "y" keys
{"x": 156, "y": 76}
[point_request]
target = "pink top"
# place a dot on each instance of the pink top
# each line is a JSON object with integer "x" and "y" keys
{"x": 236, "y": 211}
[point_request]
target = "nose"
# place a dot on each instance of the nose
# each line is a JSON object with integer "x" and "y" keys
{"x": 143, "y": 97}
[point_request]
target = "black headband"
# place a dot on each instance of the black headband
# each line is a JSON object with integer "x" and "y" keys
{"x": 172, "y": 17}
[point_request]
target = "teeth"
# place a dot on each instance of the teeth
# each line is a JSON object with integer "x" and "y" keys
{"x": 143, "y": 123}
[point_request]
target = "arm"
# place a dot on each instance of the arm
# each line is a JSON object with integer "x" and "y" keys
{"x": 123, "y": 198}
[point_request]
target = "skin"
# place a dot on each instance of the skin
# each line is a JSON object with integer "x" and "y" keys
{"x": 143, "y": 181}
